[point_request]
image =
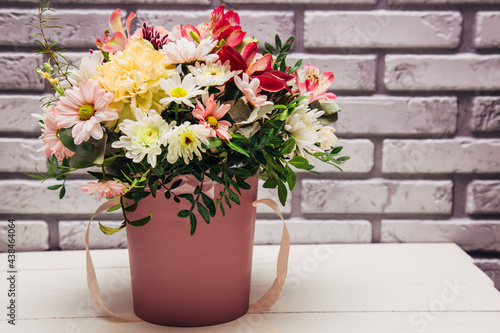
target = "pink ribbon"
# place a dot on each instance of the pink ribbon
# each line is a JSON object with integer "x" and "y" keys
{"x": 263, "y": 304}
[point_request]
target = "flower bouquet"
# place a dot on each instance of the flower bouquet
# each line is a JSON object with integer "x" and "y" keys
{"x": 156, "y": 109}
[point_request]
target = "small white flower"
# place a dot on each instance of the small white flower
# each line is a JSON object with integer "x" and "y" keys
{"x": 86, "y": 70}
{"x": 185, "y": 140}
{"x": 304, "y": 127}
{"x": 250, "y": 90}
{"x": 212, "y": 74}
{"x": 144, "y": 136}
{"x": 183, "y": 51}
{"x": 328, "y": 139}
{"x": 180, "y": 91}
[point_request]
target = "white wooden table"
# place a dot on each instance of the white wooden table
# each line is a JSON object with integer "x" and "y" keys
{"x": 374, "y": 288}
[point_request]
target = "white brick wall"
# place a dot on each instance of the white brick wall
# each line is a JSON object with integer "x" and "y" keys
{"x": 441, "y": 156}
{"x": 465, "y": 71}
{"x": 485, "y": 114}
{"x": 352, "y": 73}
{"x": 376, "y": 196}
{"x": 385, "y": 29}
{"x": 487, "y": 27}
{"x": 419, "y": 87}
{"x": 483, "y": 197}
{"x": 383, "y": 115}
{"x": 29, "y": 236}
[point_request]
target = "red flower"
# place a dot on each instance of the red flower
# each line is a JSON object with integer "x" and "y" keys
{"x": 226, "y": 26}
{"x": 270, "y": 79}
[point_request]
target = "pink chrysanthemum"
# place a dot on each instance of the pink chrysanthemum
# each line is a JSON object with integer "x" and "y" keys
{"x": 210, "y": 115}
{"x": 50, "y": 137}
{"x": 85, "y": 107}
{"x": 110, "y": 188}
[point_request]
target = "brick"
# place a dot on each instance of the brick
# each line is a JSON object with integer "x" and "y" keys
{"x": 463, "y": 71}
{"x": 18, "y": 71}
{"x": 72, "y": 235}
{"x": 314, "y": 231}
{"x": 272, "y": 194}
{"x": 139, "y": 2}
{"x": 368, "y": 2}
{"x": 22, "y": 155}
{"x": 264, "y": 25}
{"x": 382, "y": 115}
{"x": 79, "y": 28}
{"x": 485, "y": 114}
{"x": 483, "y": 197}
{"x": 441, "y": 2}
{"x": 15, "y": 112}
{"x": 29, "y": 236}
{"x": 382, "y": 29}
{"x": 32, "y": 197}
{"x": 471, "y": 235}
{"x": 361, "y": 152}
{"x": 170, "y": 18}
{"x": 376, "y": 196}
{"x": 487, "y": 27}
{"x": 461, "y": 155}
{"x": 491, "y": 266}
{"x": 352, "y": 73}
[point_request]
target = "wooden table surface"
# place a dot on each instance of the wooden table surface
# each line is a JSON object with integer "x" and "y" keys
{"x": 374, "y": 288}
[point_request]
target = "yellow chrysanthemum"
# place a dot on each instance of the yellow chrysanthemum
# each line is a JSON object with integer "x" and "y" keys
{"x": 133, "y": 75}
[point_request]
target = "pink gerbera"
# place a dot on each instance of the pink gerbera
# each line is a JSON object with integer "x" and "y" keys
{"x": 50, "y": 137}
{"x": 84, "y": 108}
{"x": 210, "y": 115}
{"x": 110, "y": 188}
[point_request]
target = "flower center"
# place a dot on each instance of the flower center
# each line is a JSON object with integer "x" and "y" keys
{"x": 148, "y": 136}
{"x": 86, "y": 111}
{"x": 178, "y": 92}
{"x": 213, "y": 122}
{"x": 214, "y": 72}
{"x": 187, "y": 138}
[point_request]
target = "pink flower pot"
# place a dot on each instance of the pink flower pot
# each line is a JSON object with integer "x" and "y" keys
{"x": 183, "y": 280}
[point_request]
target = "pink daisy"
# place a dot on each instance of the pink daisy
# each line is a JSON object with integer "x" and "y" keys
{"x": 210, "y": 115}
{"x": 110, "y": 188}
{"x": 85, "y": 107}
{"x": 50, "y": 136}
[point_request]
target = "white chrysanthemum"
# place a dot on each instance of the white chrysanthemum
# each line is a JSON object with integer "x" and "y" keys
{"x": 86, "y": 70}
{"x": 180, "y": 91}
{"x": 183, "y": 51}
{"x": 185, "y": 140}
{"x": 328, "y": 139}
{"x": 144, "y": 136}
{"x": 212, "y": 74}
{"x": 304, "y": 127}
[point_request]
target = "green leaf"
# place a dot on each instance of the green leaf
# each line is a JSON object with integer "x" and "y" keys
{"x": 62, "y": 192}
{"x": 209, "y": 203}
{"x": 282, "y": 193}
{"x": 83, "y": 149}
{"x": 183, "y": 213}
{"x": 203, "y": 212}
{"x": 300, "y": 163}
{"x": 143, "y": 221}
{"x": 112, "y": 209}
{"x": 288, "y": 147}
{"x": 154, "y": 187}
{"x": 132, "y": 207}
{"x": 213, "y": 142}
{"x": 193, "y": 222}
{"x": 233, "y": 196}
{"x": 277, "y": 41}
{"x": 158, "y": 171}
{"x": 109, "y": 230}
{"x": 271, "y": 182}
{"x": 176, "y": 184}
{"x": 291, "y": 178}
{"x": 54, "y": 187}
{"x": 237, "y": 148}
